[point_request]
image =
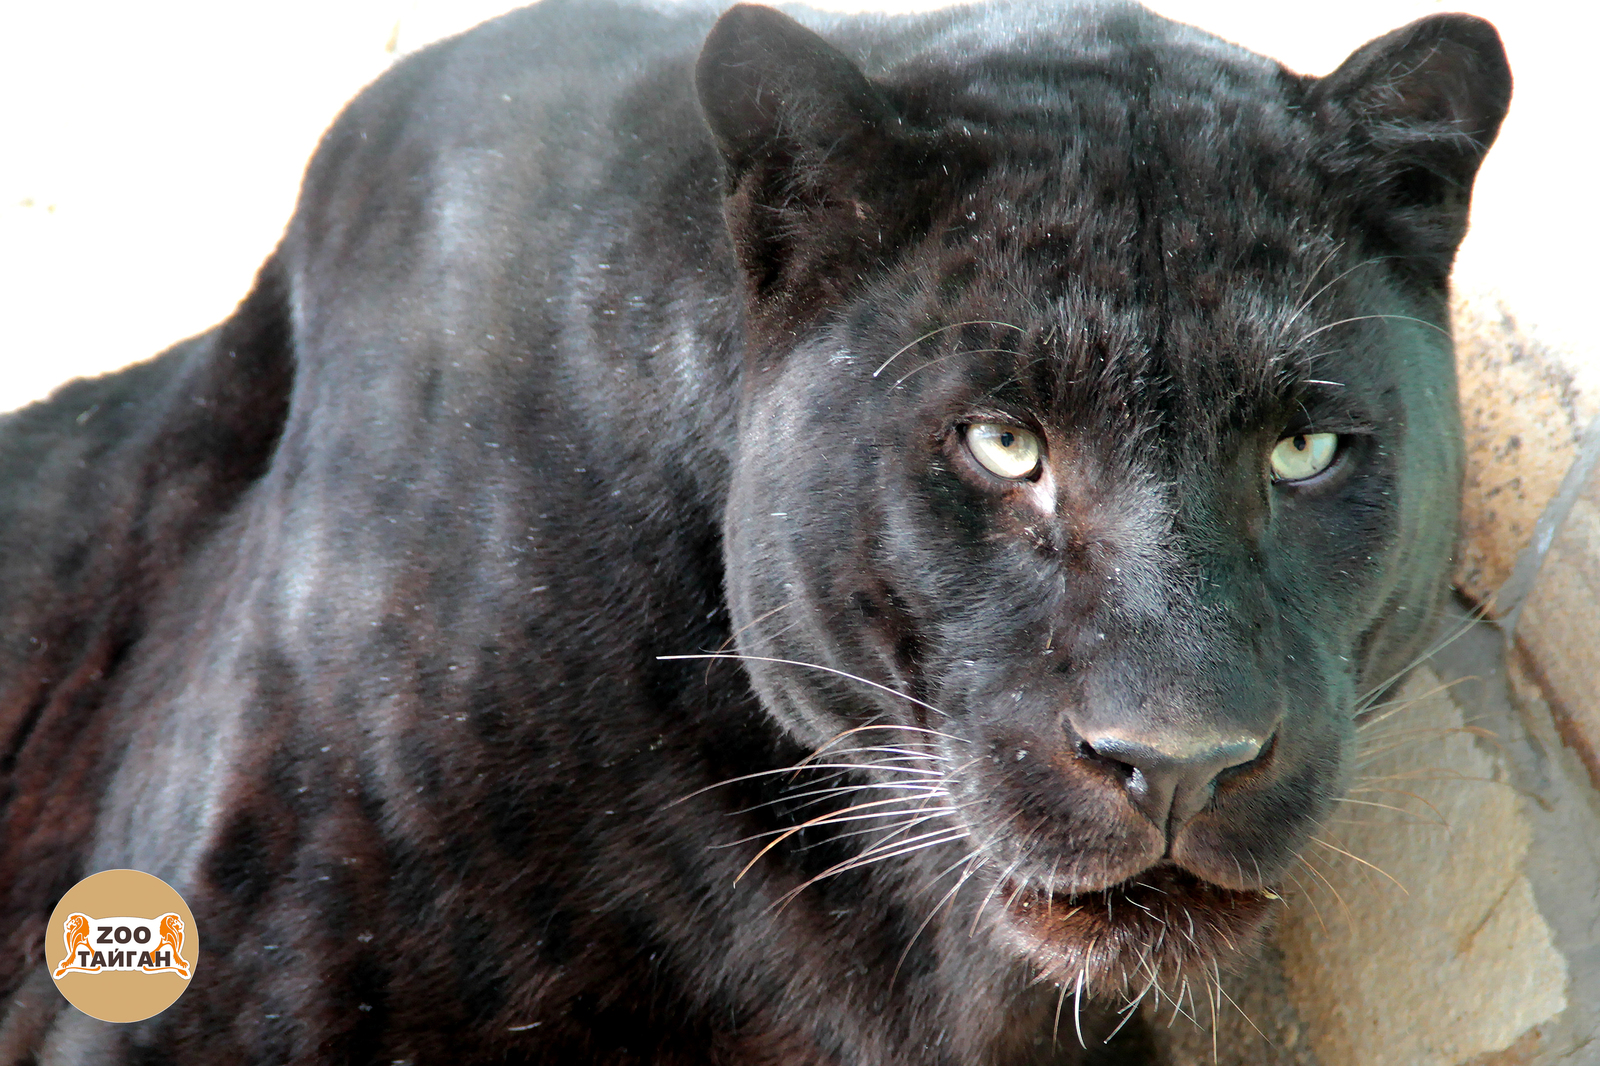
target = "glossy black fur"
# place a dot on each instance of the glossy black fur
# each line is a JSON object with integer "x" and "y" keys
{"x": 589, "y": 344}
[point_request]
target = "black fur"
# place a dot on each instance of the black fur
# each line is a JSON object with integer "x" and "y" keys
{"x": 355, "y": 618}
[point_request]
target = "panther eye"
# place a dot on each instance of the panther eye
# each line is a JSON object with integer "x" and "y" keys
{"x": 1304, "y": 455}
{"x": 1010, "y": 451}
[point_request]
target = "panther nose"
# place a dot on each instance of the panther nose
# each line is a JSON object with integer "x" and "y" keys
{"x": 1172, "y": 779}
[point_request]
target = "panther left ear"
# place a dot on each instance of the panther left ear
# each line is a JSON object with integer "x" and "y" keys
{"x": 1410, "y": 117}
{"x": 802, "y": 132}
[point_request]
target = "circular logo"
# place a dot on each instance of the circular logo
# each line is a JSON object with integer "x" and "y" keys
{"x": 121, "y": 945}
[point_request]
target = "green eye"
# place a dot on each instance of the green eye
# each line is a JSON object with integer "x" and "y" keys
{"x": 1010, "y": 451}
{"x": 1304, "y": 455}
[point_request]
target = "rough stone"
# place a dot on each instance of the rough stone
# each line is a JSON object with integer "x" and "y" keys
{"x": 1414, "y": 938}
{"x": 1558, "y": 629}
{"x": 1490, "y": 953}
{"x": 1524, "y": 413}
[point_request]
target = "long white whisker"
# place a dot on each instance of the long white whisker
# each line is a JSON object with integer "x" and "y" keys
{"x": 819, "y": 820}
{"x": 846, "y": 767}
{"x": 949, "y": 355}
{"x": 1363, "y": 862}
{"x": 1306, "y": 303}
{"x": 1077, "y": 999}
{"x": 990, "y": 894}
{"x": 1367, "y": 318}
{"x": 922, "y": 814}
{"x": 945, "y": 900}
{"x": 1349, "y": 915}
{"x": 824, "y": 669}
{"x": 868, "y": 858}
{"x": 1217, "y": 970}
{"x": 1466, "y": 626}
{"x": 1401, "y": 810}
{"x": 942, "y": 329}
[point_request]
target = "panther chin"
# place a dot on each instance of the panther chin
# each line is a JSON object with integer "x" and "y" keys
{"x": 1157, "y": 927}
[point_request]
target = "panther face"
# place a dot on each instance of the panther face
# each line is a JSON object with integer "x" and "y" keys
{"x": 1088, "y": 517}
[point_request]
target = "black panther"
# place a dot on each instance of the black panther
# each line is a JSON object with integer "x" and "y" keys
{"x": 716, "y": 541}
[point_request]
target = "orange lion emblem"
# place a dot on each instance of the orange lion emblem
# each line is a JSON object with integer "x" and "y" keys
{"x": 75, "y": 931}
{"x": 172, "y": 936}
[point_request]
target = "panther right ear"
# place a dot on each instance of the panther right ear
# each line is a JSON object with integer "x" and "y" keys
{"x": 805, "y": 138}
{"x": 773, "y": 90}
{"x": 1410, "y": 116}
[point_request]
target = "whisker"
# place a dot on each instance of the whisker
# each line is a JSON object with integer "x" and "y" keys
{"x": 941, "y": 329}
{"x": 978, "y": 914}
{"x": 1077, "y": 997}
{"x": 1431, "y": 773}
{"x": 1439, "y": 821}
{"x": 847, "y": 767}
{"x": 881, "y": 725}
{"x": 800, "y": 801}
{"x": 1411, "y": 795}
{"x": 1306, "y": 304}
{"x": 1145, "y": 962}
{"x": 1306, "y": 895}
{"x": 1217, "y": 971}
{"x": 734, "y": 636}
{"x": 887, "y": 833}
{"x": 930, "y": 781}
{"x": 1213, "y": 1001}
{"x": 1177, "y": 1006}
{"x": 868, "y": 858}
{"x": 950, "y": 355}
{"x": 1397, "y": 733}
{"x": 900, "y": 754}
{"x": 1363, "y": 862}
{"x": 825, "y": 820}
{"x": 1368, "y": 318}
{"x": 1349, "y": 915}
{"x": 1467, "y": 624}
{"x": 944, "y": 901}
{"x": 878, "y": 853}
{"x": 1304, "y": 301}
{"x": 1394, "y": 707}
{"x": 820, "y": 820}
{"x": 825, "y": 669}
{"x": 1411, "y": 738}
{"x": 1055, "y": 1030}
{"x": 890, "y": 848}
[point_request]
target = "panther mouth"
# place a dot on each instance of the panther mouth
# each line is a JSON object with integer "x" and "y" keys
{"x": 1154, "y": 927}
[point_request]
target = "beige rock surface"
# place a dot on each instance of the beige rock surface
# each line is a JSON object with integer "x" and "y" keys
{"x": 1443, "y": 957}
{"x": 1524, "y": 408}
{"x": 1558, "y": 631}
{"x": 1428, "y": 949}
{"x": 1475, "y": 960}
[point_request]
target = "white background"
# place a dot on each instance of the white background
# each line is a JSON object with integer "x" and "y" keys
{"x": 150, "y": 153}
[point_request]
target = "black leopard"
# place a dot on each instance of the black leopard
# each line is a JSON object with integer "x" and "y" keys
{"x": 718, "y": 541}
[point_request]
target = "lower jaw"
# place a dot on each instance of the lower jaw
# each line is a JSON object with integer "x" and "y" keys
{"x": 1159, "y": 926}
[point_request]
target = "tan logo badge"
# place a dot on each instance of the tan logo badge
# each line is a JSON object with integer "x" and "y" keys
{"x": 121, "y": 945}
